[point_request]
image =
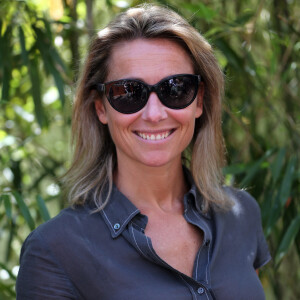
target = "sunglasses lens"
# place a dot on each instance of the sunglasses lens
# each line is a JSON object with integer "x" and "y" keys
{"x": 179, "y": 91}
{"x": 127, "y": 96}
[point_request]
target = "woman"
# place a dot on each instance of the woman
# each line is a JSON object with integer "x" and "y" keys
{"x": 142, "y": 225}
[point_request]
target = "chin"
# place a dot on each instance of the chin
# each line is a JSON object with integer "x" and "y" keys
{"x": 157, "y": 161}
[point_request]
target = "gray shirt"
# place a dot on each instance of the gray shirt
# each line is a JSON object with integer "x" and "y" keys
{"x": 106, "y": 255}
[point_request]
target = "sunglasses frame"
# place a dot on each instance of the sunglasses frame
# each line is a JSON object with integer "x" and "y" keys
{"x": 101, "y": 88}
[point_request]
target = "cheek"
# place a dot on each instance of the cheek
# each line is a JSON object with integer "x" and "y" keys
{"x": 186, "y": 117}
{"x": 120, "y": 125}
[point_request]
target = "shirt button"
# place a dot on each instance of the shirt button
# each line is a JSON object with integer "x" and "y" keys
{"x": 200, "y": 290}
{"x": 117, "y": 226}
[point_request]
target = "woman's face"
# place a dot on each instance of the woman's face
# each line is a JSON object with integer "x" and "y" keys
{"x": 170, "y": 130}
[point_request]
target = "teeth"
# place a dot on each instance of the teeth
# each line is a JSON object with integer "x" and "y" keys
{"x": 153, "y": 137}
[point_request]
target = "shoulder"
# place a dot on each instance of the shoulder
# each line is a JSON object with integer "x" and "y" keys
{"x": 73, "y": 217}
{"x": 43, "y": 272}
{"x": 67, "y": 229}
{"x": 245, "y": 211}
{"x": 242, "y": 201}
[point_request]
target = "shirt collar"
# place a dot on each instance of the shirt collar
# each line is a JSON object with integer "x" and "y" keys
{"x": 119, "y": 210}
{"x": 193, "y": 196}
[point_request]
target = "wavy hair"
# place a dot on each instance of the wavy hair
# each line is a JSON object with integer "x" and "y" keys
{"x": 94, "y": 159}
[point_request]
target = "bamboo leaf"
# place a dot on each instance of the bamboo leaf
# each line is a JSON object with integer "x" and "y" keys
{"x": 57, "y": 59}
{"x": 288, "y": 239}
{"x": 275, "y": 210}
{"x": 23, "y": 47}
{"x": 24, "y": 210}
{"x": 10, "y": 273}
{"x": 48, "y": 29}
{"x": 252, "y": 171}
{"x": 59, "y": 84}
{"x": 1, "y": 199}
{"x": 43, "y": 208}
{"x": 42, "y": 43}
{"x": 232, "y": 57}
{"x": 5, "y": 84}
{"x": 45, "y": 48}
{"x": 277, "y": 165}
{"x": 36, "y": 91}
{"x": 282, "y": 194}
{"x": 201, "y": 10}
{"x": 7, "y": 205}
{"x": 285, "y": 189}
{"x": 244, "y": 18}
{"x": 7, "y": 292}
{"x": 6, "y": 52}
{"x": 235, "y": 169}
{"x": 1, "y": 46}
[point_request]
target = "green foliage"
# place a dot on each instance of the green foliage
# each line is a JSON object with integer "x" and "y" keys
{"x": 257, "y": 45}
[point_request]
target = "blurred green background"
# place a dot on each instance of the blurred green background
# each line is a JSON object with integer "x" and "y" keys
{"x": 42, "y": 46}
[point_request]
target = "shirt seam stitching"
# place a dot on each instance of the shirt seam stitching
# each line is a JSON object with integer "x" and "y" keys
{"x": 107, "y": 218}
{"x": 140, "y": 250}
{"x": 208, "y": 261}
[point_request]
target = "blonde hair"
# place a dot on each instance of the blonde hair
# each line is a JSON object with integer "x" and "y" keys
{"x": 91, "y": 172}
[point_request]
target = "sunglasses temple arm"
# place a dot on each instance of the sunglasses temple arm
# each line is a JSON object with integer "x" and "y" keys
{"x": 199, "y": 78}
{"x": 100, "y": 87}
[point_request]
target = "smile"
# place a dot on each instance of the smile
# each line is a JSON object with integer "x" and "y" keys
{"x": 154, "y": 136}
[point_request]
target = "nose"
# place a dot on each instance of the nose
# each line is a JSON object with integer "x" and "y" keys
{"x": 154, "y": 111}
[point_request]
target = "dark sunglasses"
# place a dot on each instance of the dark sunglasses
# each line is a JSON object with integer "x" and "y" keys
{"x": 128, "y": 96}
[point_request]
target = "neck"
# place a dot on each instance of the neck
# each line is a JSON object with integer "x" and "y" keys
{"x": 152, "y": 188}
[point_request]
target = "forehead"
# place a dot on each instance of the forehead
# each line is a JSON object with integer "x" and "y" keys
{"x": 148, "y": 59}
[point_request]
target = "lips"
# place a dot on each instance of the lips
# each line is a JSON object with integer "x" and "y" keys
{"x": 154, "y": 136}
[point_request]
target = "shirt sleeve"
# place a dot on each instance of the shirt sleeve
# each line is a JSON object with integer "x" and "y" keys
{"x": 262, "y": 252}
{"x": 263, "y": 255}
{"x": 40, "y": 275}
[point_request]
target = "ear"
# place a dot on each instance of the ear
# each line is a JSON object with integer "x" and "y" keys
{"x": 101, "y": 111}
{"x": 200, "y": 95}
